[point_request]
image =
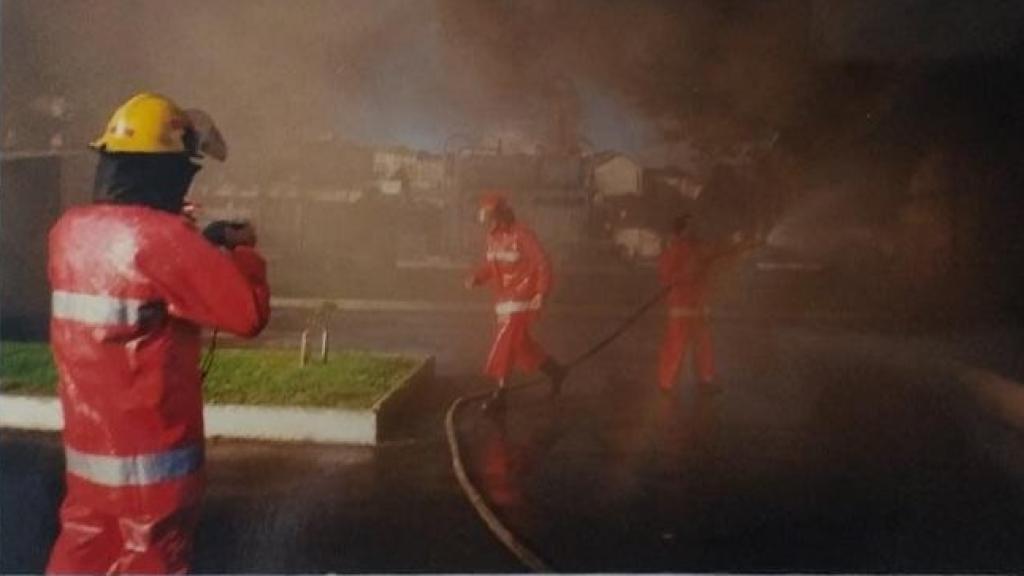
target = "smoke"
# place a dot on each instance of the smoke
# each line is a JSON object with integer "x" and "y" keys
{"x": 390, "y": 71}
{"x": 658, "y": 78}
{"x": 273, "y": 74}
{"x": 681, "y": 82}
{"x": 715, "y": 72}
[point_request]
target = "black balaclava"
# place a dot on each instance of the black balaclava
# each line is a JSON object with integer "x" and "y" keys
{"x": 156, "y": 180}
{"x": 680, "y": 224}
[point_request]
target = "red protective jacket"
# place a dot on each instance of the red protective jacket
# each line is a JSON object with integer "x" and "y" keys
{"x": 131, "y": 287}
{"x": 683, "y": 265}
{"x": 516, "y": 265}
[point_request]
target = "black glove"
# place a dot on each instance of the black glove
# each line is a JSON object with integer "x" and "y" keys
{"x": 217, "y": 232}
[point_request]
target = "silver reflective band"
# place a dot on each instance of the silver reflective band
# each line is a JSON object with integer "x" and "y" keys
{"x": 140, "y": 470}
{"x": 513, "y": 306}
{"x": 685, "y": 312}
{"x": 96, "y": 310}
{"x": 503, "y": 256}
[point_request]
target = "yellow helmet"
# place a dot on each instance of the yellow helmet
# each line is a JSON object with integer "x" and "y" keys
{"x": 152, "y": 124}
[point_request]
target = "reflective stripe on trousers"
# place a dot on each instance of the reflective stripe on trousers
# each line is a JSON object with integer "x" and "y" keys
{"x": 141, "y": 470}
{"x": 513, "y": 306}
{"x": 101, "y": 310}
{"x": 687, "y": 312}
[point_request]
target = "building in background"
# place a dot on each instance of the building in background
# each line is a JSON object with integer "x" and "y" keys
{"x": 612, "y": 174}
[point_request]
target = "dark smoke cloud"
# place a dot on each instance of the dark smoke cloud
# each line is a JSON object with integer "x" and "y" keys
{"x": 716, "y": 69}
{"x": 915, "y": 30}
{"x": 275, "y": 72}
{"x": 537, "y": 73}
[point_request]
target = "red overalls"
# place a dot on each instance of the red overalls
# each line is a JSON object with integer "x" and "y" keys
{"x": 519, "y": 270}
{"x": 131, "y": 287}
{"x": 682, "y": 266}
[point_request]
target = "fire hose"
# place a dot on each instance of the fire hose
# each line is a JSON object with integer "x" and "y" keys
{"x": 520, "y": 550}
{"x": 207, "y": 362}
{"x": 489, "y": 517}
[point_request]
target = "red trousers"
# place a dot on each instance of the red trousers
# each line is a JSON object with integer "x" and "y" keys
{"x": 680, "y": 334}
{"x": 513, "y": 346}
{"x": 92, "y": 541}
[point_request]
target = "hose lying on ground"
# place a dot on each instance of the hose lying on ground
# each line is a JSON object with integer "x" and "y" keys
{"x": 529, "y": 558}
{"x": 476, "y": 499}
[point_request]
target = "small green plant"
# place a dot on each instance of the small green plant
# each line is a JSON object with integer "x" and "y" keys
{"x": 318, "y": 321}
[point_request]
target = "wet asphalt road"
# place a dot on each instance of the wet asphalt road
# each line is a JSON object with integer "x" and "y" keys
{"x": 826, "y": 452}
{"x": 851, "y": 462}
{"x": 275, "y": 508}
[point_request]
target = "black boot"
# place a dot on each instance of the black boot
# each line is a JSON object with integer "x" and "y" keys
{"x": 556, "y": 374}
{"x": 495, "y": 406}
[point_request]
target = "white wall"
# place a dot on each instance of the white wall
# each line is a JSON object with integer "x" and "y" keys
{"x": 619, "y": 176}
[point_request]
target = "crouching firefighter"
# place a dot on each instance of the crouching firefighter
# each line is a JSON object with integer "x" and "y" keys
{"x": 133, "y": 281}
{"x": 520, "y": 273}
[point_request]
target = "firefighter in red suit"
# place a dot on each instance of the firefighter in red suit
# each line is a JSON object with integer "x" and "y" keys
{"x": 685, "y": 268}
{"x": 520, "y": 272}
{"x": 133, "y": 281}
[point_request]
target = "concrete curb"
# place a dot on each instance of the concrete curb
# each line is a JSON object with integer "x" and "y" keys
{"x": 375, "y": 425}
{"x": 993, "y": 415}
{"x": 999, "y": 396}
{"x": 987, "y": 407}
{"x": 557, "y": 309}
{"x": 31, "y": 412}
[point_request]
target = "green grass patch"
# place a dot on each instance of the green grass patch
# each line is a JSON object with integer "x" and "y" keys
{"x": 244, "y": 376}
{"x": 261, "y": 376}
{"x": 27, "y": 368}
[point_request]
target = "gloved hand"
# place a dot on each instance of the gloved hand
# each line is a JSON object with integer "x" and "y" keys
{"x": 230, "y": 234}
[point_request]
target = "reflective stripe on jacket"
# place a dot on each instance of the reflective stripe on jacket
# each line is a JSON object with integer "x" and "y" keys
{"x": 131, "y": 287}
{"x": 515, "y": 265}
